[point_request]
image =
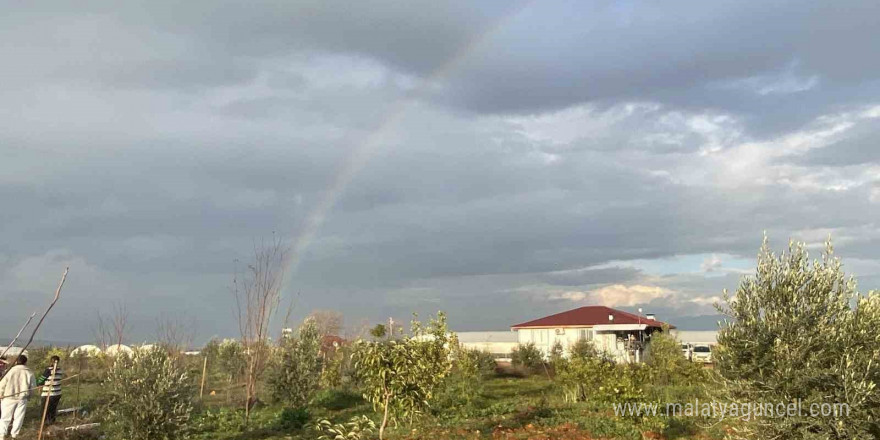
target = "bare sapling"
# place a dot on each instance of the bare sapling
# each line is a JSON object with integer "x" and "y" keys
{"x": 175, "y": 333}
{"x": 257, "y": 296}
{"x": 111, "y": 331}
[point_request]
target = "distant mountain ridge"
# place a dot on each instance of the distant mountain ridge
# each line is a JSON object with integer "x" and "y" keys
{"x": 700, "y": 322}
{"x": 42, "y": 343}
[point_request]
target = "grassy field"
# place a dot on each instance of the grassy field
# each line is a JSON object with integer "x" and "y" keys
{"x": 507, "y": 408}
{"x": 503, "y": 407}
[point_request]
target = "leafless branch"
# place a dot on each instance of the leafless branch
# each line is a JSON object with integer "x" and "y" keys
{"x": 257, "y": 296}
{"x": 175, "y": 333}
{"x": 329, "y": 322}
{"x": 15, "y": 339}
{"x": 120, "y": 322}
{"x": 42, "y": 318}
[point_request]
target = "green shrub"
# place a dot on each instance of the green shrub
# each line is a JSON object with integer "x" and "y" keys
{"x": 483, "y": 360}
{"x": 290, "y": 419}
{"x": 221, "y": 420}
{"x": 149, "y": 396}
{"x": 600, "y": 380}
{"x": 336, "y": 399}
{"x": 583, "y": 349}
{"x": 333, "y": 372}
{"x": 357, "y": 428}
{"x": 40, "y": 357}
{"x": 527, "y": 356}
{"x": 579, "y": 378}
{"x": 557, "y": 354}
{"x": 461, "y": 391}
{"x": 226, "y": 359}
{"x": 668, "y": 366}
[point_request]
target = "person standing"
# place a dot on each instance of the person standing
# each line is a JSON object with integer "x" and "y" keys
{"x": 15, "y": 388}
{"x": 51, "y": 381}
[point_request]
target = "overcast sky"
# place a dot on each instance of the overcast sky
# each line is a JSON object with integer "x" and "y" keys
{"x": 497, "y": 160}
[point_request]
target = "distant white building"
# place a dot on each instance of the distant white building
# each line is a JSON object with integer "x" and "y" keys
{"x": 700, "y": 337}
{"x": 85, "y": 350}
{"x": 499, "y": 344}
{"x": 117, "y": 349}
{"x": 13, "y": 352}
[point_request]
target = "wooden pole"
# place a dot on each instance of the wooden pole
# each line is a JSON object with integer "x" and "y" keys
{"x": 15, "y": 339}
{"x": 48, "y": 397}
{"x": 82, "y": 360}
{"x": 40, "y": 322}
{"x": 204, "y": 371}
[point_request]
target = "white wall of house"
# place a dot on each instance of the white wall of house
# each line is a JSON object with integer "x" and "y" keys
{"x": 605, "y": 341}
{"x": 545, "y": 338}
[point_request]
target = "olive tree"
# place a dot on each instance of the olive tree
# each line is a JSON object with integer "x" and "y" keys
{"x": 798, "y": 331}
{"x": 226, "y": 358}
{"x": 527, "y": 356}
{"x": 667, "y": 365}
{"x": 297, "y": 369}
{"x": 401, "y": 375}
{"x": 149, "y": 396}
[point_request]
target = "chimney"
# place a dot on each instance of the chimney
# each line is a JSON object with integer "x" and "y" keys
{"x": 652, "y": 317}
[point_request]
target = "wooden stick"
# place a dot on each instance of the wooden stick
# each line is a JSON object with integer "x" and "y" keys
{"x": 15, "y": 339}
{"x": 79, "y": 427}
{"x": 40, "y": 322}
{"x": 82, "y": 360}
{"x": 48, "y": 398}
{"x": 204, "y": 370}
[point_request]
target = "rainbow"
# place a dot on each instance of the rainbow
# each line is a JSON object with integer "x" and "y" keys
{"x": 361, "y": 155}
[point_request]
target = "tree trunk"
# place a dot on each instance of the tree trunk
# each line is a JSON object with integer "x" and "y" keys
{"x": 384, "y": 417}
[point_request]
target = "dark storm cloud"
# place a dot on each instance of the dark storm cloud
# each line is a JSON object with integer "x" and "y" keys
{"x": 159, "y": 44}
{"x": 520, "y": 57}
{"x": 555, "y": 56}
{"x": 582, "y": 277}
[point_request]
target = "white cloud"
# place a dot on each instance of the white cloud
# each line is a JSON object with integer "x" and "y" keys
{"x": 706, "y": 300}
{"x": 711, "y": 263}
{"x": 621, "y": 295}
{"x": 776, "y": 83}
{"x": 614, "y": 295}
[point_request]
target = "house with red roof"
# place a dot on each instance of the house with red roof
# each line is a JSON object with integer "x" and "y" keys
{"x": 622, "y": 335}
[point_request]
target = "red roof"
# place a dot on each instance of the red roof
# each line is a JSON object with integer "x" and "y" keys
{"x": 589, "y": 316}
{"x": 331, "y": 342}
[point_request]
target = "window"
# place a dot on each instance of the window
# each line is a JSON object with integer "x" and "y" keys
{"x": 585, "y": 334}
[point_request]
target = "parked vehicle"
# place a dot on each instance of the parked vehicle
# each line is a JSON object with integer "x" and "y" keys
{"x": 702, "y": 353}
{"x": 687, "y": 350}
